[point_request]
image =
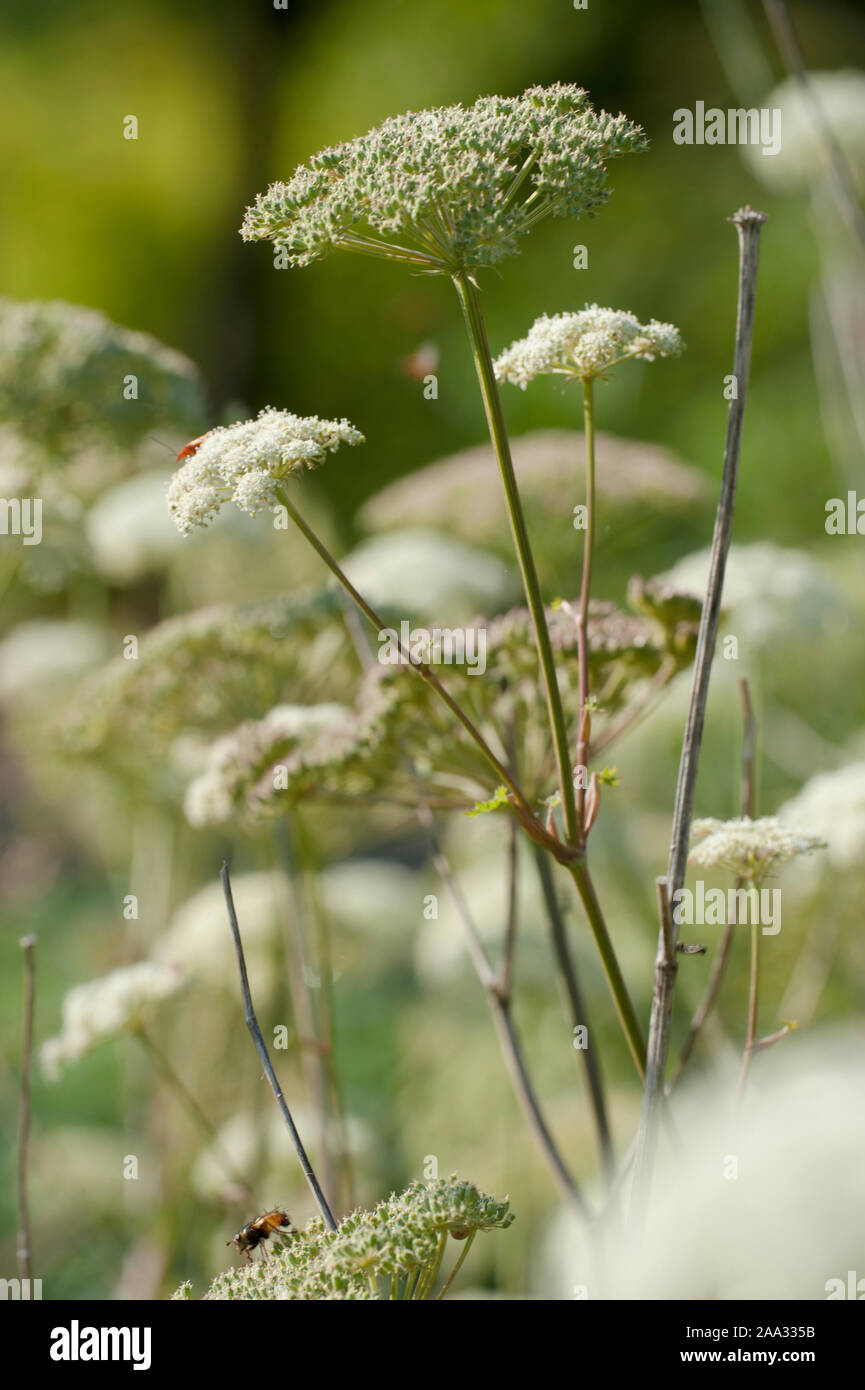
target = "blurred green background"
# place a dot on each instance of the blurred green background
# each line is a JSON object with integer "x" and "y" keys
{"x": 228, "y": 97}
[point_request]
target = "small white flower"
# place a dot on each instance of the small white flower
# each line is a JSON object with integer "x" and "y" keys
{"x": 102, "y": 1009}
{"x": 749, "y": 848}
{"x": 585, "y": 345}
{"x": 246, "y": 463}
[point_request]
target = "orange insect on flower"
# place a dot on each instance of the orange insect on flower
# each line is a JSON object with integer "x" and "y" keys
{"x": 193, "y": 446}
{"x": 256, "y": 1232}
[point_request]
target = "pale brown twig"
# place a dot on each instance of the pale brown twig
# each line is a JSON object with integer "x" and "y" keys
{"x": 28, "y": 946}
{"x": 261, "y": 1049}
{"x": 748, "y": 225}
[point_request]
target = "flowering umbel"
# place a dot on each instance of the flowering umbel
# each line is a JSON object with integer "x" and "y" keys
{"x": 585, "y": 345}
{"x": 449, "y": 188}
{"x": 394, "y": 1250}
{"x": 749, "y": 848}
{"x": 246, "y": 463}
{"x": 103, "y": 1009}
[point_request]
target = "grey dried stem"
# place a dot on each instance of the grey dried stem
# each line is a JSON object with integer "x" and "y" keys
{"x": 28, "y": 946}
{"x": 261, "y": 1049}
{"x": 500, "y": 1007}
{"x": 719, "y": 965}
{"x": 842, "y": 182}
{"x": 748, "y": 225}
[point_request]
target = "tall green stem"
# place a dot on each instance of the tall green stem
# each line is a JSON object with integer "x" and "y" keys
{"x": 586, "y": 588}
{"x": 579, "y": 871}
{"x": 468, "y": 296}
{"x": 753, "y": 1001}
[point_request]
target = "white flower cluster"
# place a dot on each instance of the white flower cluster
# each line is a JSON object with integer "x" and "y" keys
{"x": 585, "y": 345}
{"x": 748, "y": 848}
{"x": 101, "y": 1009}
{"x": 234, "y": 761}
{"x": 457, "y": 186}
{"x": 60, "y": 369}
{"x": 245, "y": 463}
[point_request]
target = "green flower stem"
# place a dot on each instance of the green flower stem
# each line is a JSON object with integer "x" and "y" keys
{"x": 436, "y": 1265}
{"x": 468, "y": 296}
{"x": 586, "y": 586}
{"x": 459, "y": 1264}
{"x": 579, "y": 871}
{"x": 565, "y": 963}
{"x": 753, "y": 1003}
{"x": 423, "y": 670}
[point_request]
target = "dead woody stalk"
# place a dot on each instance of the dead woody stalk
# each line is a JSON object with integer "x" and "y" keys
{"x": 748, "y": 225}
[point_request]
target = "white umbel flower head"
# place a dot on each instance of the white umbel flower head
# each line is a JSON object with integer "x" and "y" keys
{"x": 246, "y": 463}
{"x": 748, "y": 848}
{"x": 103, "y": 1009}
{"x": 585, "y": 345}
{"x": 448, "y": 188}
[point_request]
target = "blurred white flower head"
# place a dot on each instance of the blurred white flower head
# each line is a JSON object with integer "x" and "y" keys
{"x": 247, "y": 1137}
{"x": 211, "y": 797}
{"x": 585, "y": 345}
{"x": 129, "y": 531}
{"x": 767, "y": 589}
{"x": 768, "y": 1206}
{"x": 246, "y": 463}
{"x": 833, "y": 805}
{"x": 198, "y": 940}
{"x": 35, "y": 656}
{"x": 802, "y": 158}
{"x": 748, "y": 848}
{"x": 419, "y": 572}
{"x": 102, "y": 1009}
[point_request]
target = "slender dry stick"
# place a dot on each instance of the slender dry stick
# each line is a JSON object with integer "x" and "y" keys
{"x": 841, "y": 179}
{"x": 500, "y": 1007}
{"x": 719, "y": 965}
{"x": 328, "y": 1017}
{"x": 564, "y": 960}
{"x": 421, "y": 667}
{"x": 312, "y": 1049}
{"x": 28, "y": 946}
{"x": 261, "y": 1049}
{"x": 202, "y": 1118}
{"x": 748, "y": 224}
{"x": 753, "y": 1001}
